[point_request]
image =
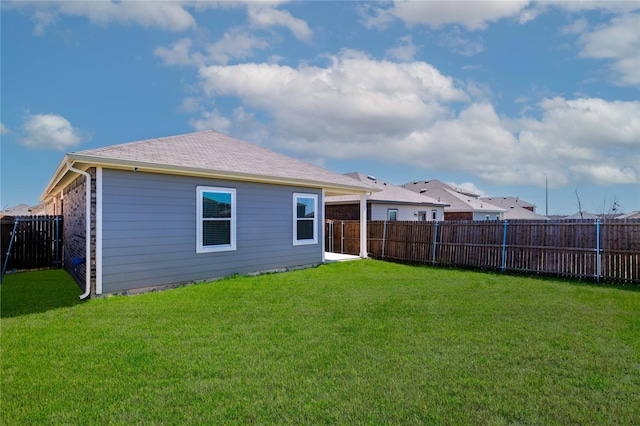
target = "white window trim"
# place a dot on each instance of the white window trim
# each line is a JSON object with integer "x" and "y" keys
{"x": 389, "y": 215}
{"x": 297, "y": 242}
{"x": 200, "y": 248}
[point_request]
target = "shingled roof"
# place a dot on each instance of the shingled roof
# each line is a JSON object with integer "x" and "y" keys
{"x": 389, "y": 193}
{"x": 458, "y": 199}
{"x": 212, "y": 154}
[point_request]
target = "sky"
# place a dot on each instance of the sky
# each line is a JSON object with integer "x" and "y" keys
{"x": 501, "y": 98}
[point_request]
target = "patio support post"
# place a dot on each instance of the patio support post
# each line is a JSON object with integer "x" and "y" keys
{"x": 363, "y": 226}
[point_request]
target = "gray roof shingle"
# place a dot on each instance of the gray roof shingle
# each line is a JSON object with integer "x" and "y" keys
{"x": 458, "y": 200}
{"x": 218, "y": 154}
{"x": 389, "y": 193}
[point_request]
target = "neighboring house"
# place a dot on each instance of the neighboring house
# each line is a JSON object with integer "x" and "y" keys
{"x": 463, "y": 205}
{"x": 392, "y": 202}
{"x": 581, "y": 215}
{"x": 516, "y": 209}
{"x": 19, "y": 210}
{"x": 24, "y": 210}
{"x": 187, "y": 208}
{"x": 38, "y": 210}
{"x": 632, "y": 215}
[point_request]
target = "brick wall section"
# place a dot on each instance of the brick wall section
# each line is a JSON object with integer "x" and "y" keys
{"x": 345, "y": 212}
{"x": 458, "y": 215}
{"x": 342, "y": 212}
{"x": 74, "y": 211}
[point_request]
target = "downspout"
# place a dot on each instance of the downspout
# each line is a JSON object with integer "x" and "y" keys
{"x": 87, "y": 274}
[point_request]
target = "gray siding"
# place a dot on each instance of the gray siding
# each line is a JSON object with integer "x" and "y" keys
{"x": 149, "y": 231}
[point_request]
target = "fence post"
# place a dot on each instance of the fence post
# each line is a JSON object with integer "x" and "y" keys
{"x": 598, "y": 254}
{"x": 435, "y": 243}
{"x": 504, "y": 247}
{"x": 384, "y": 236}
{"x": 342, "y": 238}
{"x": 57, "y": 237}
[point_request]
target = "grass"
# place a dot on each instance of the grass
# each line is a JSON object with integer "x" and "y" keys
{"x": 363, "y": 342}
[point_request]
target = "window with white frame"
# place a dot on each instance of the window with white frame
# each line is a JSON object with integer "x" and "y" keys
{"x": 216, "y": 219}
{"x": 434, "y": 214}
{"x": 392, "y": 215}
{"x": 305, "y": 219}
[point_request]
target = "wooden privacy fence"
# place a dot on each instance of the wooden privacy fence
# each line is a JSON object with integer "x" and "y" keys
{"x": 31, "y": 242}
{"x": 608, "y": 249}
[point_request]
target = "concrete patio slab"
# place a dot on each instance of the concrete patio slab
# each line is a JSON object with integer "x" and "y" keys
{"x": 339, "y": 257}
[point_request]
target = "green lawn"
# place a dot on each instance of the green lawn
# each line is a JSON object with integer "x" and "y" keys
{"x": 363, "y": 342}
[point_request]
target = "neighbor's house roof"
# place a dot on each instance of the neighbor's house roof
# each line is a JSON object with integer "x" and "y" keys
{"x": 207, "y": 154}
{"x": 516, "y": 209}
{"x": 577, "y": 215}
{"x": 632, "y": 215}
{"x": 508, "y": 202}
{"x": 19, "y": 210}
{"x": 458, "y": 200}
{"x": 519, "y": 213}
{"x": 388, "y": 194}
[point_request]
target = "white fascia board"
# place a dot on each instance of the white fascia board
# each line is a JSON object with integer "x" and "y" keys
{"x": 61, "y": 170}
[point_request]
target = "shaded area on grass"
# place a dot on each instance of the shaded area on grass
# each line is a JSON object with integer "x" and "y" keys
{"x": 37, "y": 291}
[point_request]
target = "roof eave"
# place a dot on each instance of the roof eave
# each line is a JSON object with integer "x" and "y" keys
{"x": 83, "y": 161}
{"x": 57, "y": 176}
{"x": 376, "y": 201}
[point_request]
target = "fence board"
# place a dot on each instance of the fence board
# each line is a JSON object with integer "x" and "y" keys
{"x": 36, "y": 244}
{"x": 562, "y": 248}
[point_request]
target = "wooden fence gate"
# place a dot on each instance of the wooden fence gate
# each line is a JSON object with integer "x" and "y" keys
{"x": 31, "y": 242}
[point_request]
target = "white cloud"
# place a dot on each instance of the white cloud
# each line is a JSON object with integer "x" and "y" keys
{"x": 590, "y": 122}
{"x": 265, "y": 15}
{"x": 468, "y": 187}
{"x": 353, "y": 94}
{"x": 405, "y": 113}
{"x": 470, "y": 14}
{"x": 235, "y": 44}
{"x": 190, "y": 105}
{"x": 610, "y": 173}
{"x": 578, "y": 26}
{"x": 178, "y": 54}
{"x": 460, "y": 45}
{"x": 405, "y": 49}
{"x": 375, "y": 17}
{"x": 4, "y": 129}
{"x": 409, "y": 113}
{"x": 42, "y": 18}
{"x": 618, "y": 41}
{"x": 593, "y": 140}
{"x": 50, "y": 131}
{"x": 211, "y": 120}
{"x": 164, "y": 15}
{"x": 607, "y": 6}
